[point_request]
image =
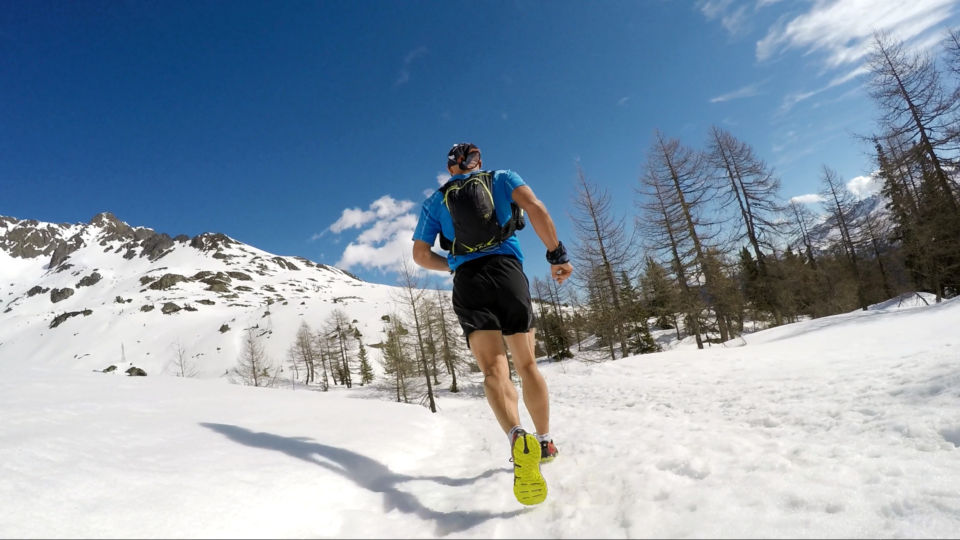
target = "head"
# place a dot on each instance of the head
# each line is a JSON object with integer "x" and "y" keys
{"x": 463, "y": 158}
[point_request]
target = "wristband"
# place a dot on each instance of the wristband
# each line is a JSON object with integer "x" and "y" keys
{"x": 558, "y": 255}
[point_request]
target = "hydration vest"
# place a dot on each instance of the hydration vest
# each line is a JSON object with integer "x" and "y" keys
{"x": 476, "y": 227}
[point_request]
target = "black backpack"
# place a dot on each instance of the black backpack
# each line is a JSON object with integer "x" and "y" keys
{"x": 476, "y": 227}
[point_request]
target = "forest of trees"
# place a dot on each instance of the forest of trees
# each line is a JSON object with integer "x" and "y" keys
{"x": 421, "y": 348}
{"x": 712, "y": 249}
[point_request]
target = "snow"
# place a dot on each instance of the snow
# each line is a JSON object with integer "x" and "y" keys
{"x": 276, "y": 302}
{"x": 845, "y": 426}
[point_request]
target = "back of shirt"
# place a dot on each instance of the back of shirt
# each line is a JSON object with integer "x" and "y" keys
{"x": 435, "y": 219}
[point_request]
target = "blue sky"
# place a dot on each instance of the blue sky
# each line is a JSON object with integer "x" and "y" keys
{"x": 315, "y": 128}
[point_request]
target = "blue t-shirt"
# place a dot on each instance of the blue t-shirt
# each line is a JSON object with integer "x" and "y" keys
{"x": 435, "y": 218}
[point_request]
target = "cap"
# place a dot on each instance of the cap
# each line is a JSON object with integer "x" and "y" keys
{"x": 463, "y": 155}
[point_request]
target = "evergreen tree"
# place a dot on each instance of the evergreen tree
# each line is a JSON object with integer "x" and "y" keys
{"x": 398, "y": 363}
{"x": 366, "y": 370}
{"x": 660, "y": 296}
{"x": 638, "y": 328}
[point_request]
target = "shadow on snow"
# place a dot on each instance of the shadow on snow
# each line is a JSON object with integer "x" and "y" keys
{"x": 369, "y": 474}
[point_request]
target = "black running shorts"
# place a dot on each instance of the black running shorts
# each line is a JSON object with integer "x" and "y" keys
{"x": 492, "y": 293}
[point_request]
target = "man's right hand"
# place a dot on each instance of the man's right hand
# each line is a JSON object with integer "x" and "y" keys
{"x": 424, "y": 256}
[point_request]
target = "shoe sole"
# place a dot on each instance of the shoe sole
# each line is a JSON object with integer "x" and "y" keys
{"x": 529, "y": 487}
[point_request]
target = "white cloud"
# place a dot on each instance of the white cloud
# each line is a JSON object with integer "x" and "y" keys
{"x": 623, "y": 101}
{"x": 350, "y": 218}
{"x": 749, "y": 90}
{"x": 443, "y": 178}
{"x": 810, "y": 198}
{"x": 713, "y": 9}
{"x": 410, "y": 57}
{"x": 837, "y": 81}
{"x": 863, "y": 186}
{"x": 842, "y": 29}
{"x": 855, "y": 92}
{"x": 734, "y": 19}
{"x": 382, "y": 231}
{"x": 387, "y": 207}
{"x": 837, "y": 34}
{"x": 384, "y": 240}
{"x": 388, "y": 256}
{"x": 790, "y": 100}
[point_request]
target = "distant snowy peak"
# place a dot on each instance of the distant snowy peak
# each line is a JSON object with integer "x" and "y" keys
{"x": 32, "y": 238}
{"x": 29, "y": 238}
{"x": 79, "y": 292}
{"x": 826, "y": 233}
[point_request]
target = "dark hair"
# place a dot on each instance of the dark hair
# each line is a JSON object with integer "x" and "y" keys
{"x": 463, "y": 155}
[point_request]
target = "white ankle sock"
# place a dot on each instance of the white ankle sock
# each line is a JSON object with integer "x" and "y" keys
{"x": 513, "y": 430}
{"x": 543, "y": 437}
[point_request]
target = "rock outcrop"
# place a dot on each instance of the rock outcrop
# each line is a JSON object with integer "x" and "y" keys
{"x": 57, "y": 295}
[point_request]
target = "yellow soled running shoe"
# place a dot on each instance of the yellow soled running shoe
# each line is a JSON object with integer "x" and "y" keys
{"x": 528, "y": 484}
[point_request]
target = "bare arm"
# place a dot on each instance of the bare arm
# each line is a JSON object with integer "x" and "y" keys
{"x": 425, "y": 257}
{"x": 544, "y": 227}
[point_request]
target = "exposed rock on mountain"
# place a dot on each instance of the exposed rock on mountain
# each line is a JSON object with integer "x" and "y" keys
{"x": 112, "y": 228}
{"x": 64, "y": 316}
{"x": 155, "y": 246}
{"x": 825, "y": 233}
{"x": 87, "y": 281}
{"x": 212, "y": 242}
{"x": 149, "y": 291}
{"x": 31, "y": 238}
{"x": 36, "y": 290}
{"x": 57, "y": 295}
{"x": 63, "y": 248}
{"x": 166, "y": 281}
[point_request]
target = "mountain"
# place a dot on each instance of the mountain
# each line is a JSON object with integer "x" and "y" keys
{"x": 826, "y": 232}
{"x": 89, "y": 295}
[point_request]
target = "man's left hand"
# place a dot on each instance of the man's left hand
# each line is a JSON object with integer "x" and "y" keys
{"x": 560, "y": 272}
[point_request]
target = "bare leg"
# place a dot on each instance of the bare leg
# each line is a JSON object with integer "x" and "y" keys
{"x": 535, "y": 396}
{"x": 487, "y": 348}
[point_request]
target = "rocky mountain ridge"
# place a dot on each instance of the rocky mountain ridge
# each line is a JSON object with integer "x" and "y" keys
{"x": 90, "y": 294}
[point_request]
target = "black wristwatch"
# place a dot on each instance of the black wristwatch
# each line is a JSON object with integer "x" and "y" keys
{"x": 558, "y": 255}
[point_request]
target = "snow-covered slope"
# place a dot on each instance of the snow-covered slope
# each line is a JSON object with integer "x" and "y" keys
{"x": 842, "y": 427}
{"x": 89, "y": 295}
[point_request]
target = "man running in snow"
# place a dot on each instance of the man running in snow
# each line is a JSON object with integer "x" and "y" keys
{"x": 491, "y": 295}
